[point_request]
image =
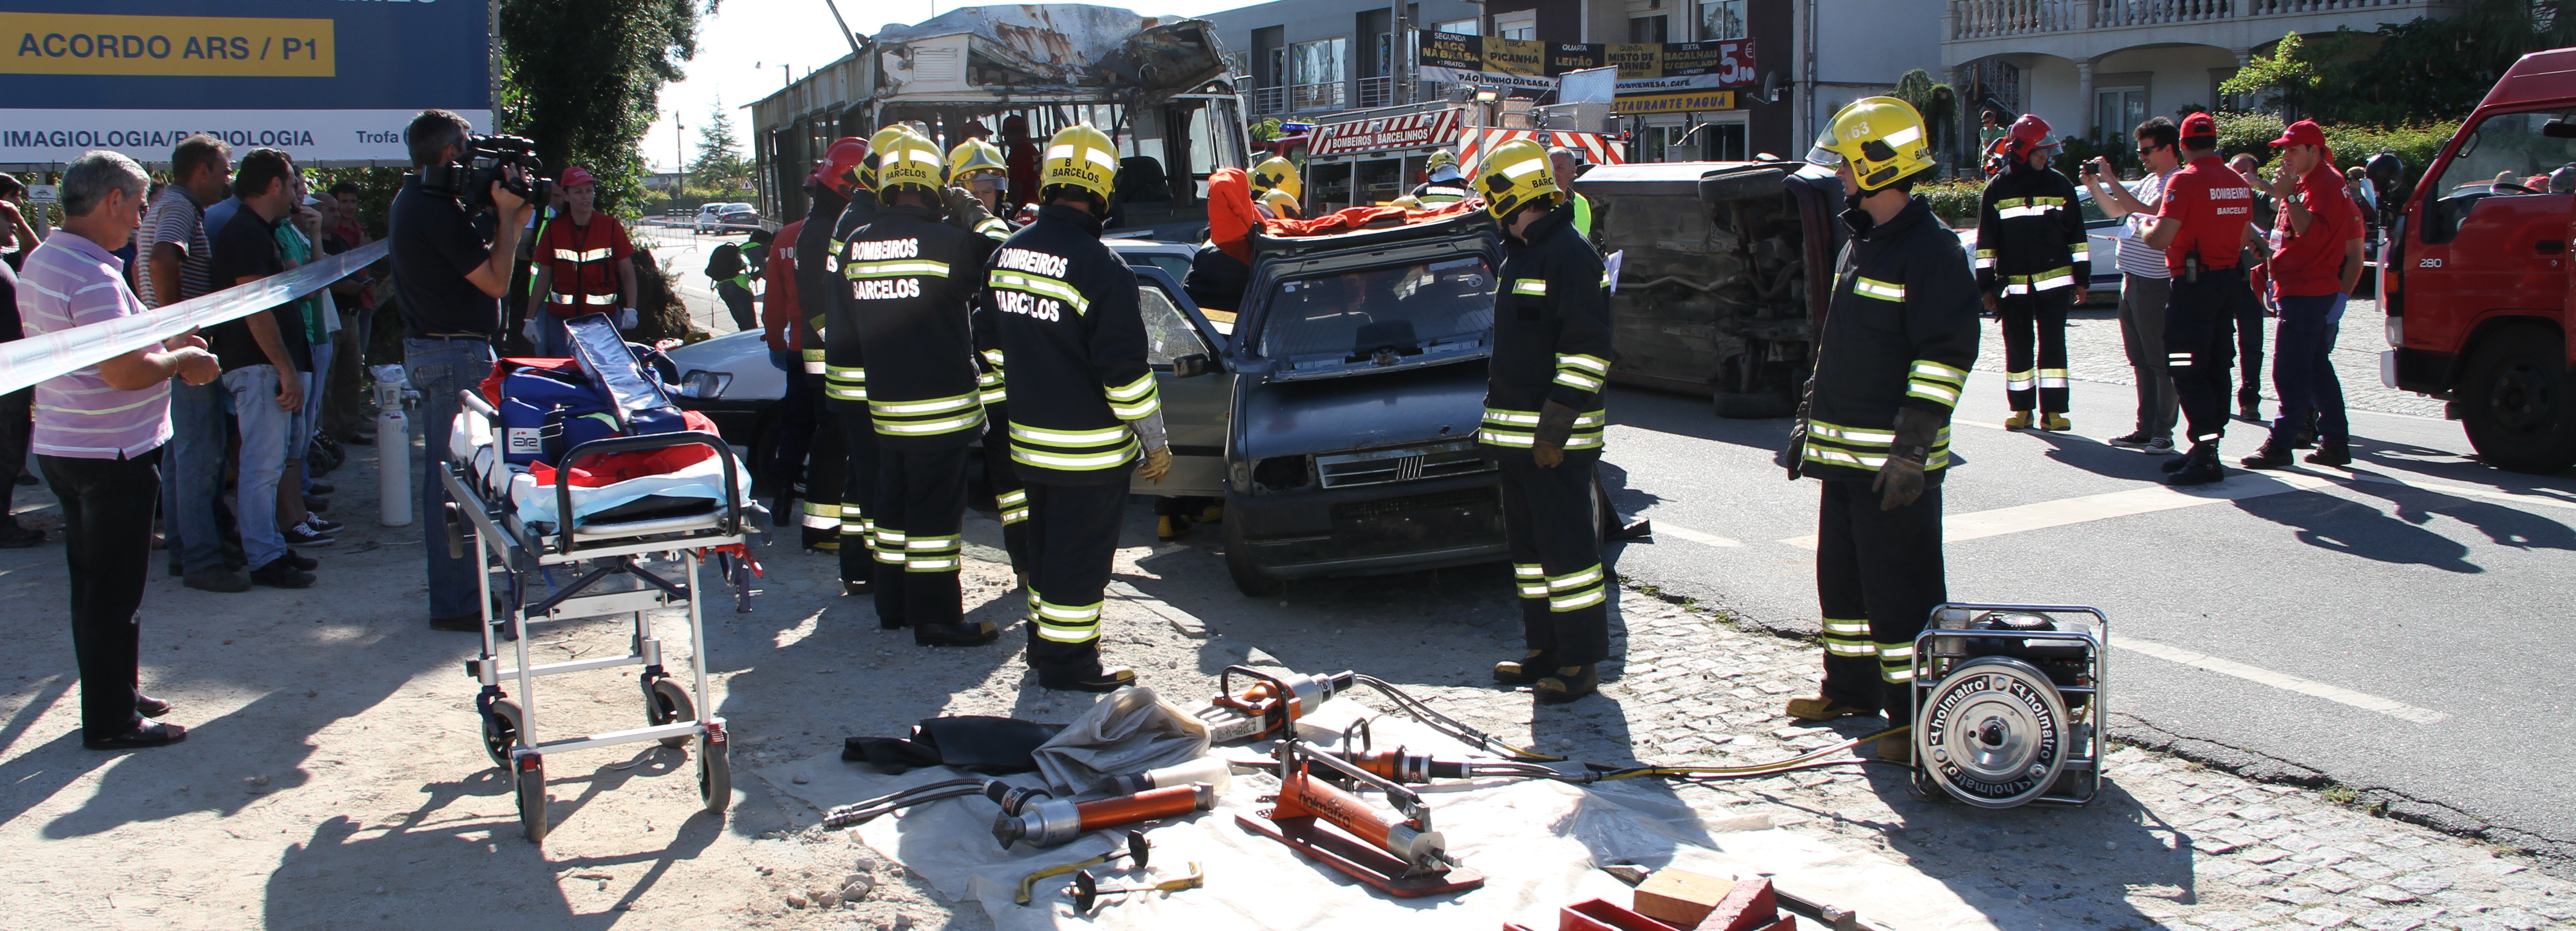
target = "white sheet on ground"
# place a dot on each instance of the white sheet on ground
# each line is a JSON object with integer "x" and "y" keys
{"x": 1537, "y": 844}
{"x": 1132, "y": 730}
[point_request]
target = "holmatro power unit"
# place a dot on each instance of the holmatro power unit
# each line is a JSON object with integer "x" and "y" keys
{"x": 2008, "y": 704}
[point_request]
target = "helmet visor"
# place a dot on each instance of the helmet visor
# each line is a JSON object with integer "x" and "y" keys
{"x": 1823, "y": 154}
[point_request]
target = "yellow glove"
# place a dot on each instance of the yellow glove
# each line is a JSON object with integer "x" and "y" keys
{"x": 1158, "y": 463}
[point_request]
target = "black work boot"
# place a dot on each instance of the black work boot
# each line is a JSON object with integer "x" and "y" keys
{"x": 2199, "y": 468}
{"x": 1531, "y": 667}
{"x": 1568, "y": 683}
{"x": 973, "y": 634}
{"x": 2270, "y": 456}
{"x": 1066, "y": 667}
{"x": 2332, "y": 454}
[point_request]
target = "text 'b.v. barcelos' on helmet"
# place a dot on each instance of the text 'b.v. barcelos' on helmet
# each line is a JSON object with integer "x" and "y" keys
{"x": 1881, "y": 137}
{"x": 1516, "y": 173}
{"x": 1079, "y": 157}
{"x": 907, "y": 160}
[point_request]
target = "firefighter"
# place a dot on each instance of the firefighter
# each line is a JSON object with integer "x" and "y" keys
{"x": 1063, "y": 309}
{"x": 1445, "y": 186}
{"x": 1543, "y": 420}
{"x": 908, "y": 284}
{"x": 978, "y": 177}
{"x": 2032, "y": 265}
{"x": 1279, "y": 188}
{"x": 1899, "y": 338}
{"x": 817, "y": 273}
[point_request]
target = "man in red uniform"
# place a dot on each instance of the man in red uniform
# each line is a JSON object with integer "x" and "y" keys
{"x": 2201, "y": 226}
{"x": 778, "y": 310}
{"x": 582, "y": 268}
{"x": 1022, "y": 154}
{"x": 2315, "y": 261}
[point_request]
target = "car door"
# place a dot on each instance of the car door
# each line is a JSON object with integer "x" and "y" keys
{"x": 1195, "y": 410}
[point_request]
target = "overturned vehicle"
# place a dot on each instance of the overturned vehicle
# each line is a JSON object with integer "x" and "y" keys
{"x": 1727, "y": 268}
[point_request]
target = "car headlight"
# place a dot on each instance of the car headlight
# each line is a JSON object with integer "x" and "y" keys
{"x": 705, "y": 385}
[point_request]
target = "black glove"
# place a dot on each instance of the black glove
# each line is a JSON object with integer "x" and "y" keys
{"x": 1555, "y": 427}
{"x": 1901, "y": 480}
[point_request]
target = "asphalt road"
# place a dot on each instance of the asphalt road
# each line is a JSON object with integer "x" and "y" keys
{"x": 2399, "y": 626}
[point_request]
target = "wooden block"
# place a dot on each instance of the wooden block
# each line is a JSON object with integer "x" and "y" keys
{"x": 1751, "y": 906}
{"x": 1681, "y": 897}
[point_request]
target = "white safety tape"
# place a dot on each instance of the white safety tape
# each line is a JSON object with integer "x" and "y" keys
{"x": 52, "y": 355}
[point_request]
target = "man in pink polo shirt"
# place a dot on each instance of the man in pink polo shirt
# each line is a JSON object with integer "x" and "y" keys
{"x": 98, "y": 438}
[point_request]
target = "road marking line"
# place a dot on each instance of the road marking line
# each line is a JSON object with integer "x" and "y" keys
{"x": 2146, "y": 500}
{"x": 2517, "y": 497}
{"x": 2280, "y": 680}
{"x": 1665, "y": 527}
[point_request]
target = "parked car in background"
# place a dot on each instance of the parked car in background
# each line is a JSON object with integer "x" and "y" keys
{"x": 727, "y": 218}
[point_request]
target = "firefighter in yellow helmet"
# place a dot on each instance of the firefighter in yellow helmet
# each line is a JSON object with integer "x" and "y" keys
{"x": 978, "y": 181}
{"x": 1875, "y": 426}
{"x": 1543, "y": 420}
{"x": 1277, "y": 187}
{"x": 1083, "y": 407}
{"x": 1445, "y": 185}
{"x": 908, "y": 282}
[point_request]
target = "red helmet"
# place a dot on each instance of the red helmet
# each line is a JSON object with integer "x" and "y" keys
{"x": 843, "y": 163}
{"x": 2028, "y": 133}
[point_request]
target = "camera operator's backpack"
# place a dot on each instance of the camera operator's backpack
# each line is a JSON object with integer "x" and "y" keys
{"x": 725, "y": 263}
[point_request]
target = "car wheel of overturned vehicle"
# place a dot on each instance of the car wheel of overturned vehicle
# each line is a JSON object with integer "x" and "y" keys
{"x": 1248, "y": 578}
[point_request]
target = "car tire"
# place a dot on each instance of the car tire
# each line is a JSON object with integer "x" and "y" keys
{"x": 1738, "y": 406}
{"x": 2518, "y": 402}
{"x": 1248, "y": 578}
{"x": 764, "y": 448}
{"x": 1604, "y": 517}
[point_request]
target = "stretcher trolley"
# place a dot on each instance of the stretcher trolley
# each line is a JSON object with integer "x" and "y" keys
{"x": 515, "y": 526}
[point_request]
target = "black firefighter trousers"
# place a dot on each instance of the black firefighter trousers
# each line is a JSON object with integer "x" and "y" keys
{"x": 2200, "y": 347}
{"x": 919, "y": 506}
{"x": 1879, "y": 574}
{"x": 1010, "y": 495}
{"x": 840, "y": 480}
{"x": 1556, "y": 559}
{"x": 2035, "y": 321}
{"x": 1073, "y": 536}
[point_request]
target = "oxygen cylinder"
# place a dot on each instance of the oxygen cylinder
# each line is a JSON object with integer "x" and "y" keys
{"x": 394, "y": 492}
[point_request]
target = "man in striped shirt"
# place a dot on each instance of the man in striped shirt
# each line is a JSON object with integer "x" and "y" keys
{"x": 98, "y": 438}
{"x": 2144, "y": 282}
{"x": 178, "y": 263}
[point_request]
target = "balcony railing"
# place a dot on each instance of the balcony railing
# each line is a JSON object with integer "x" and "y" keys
{"x": 1327, "y": 95}
{"x": 1989, "y": 19}
{"x": 1269, "y": 101}
{"x": 1376, "y": 92}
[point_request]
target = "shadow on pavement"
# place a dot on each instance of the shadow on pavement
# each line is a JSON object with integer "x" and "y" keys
{"x": 2041, "y": 866}
{"x": 2354, "y": 529}
{"x": 1686, "y": 416}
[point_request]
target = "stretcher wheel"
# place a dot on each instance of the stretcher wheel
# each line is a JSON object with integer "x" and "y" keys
{"x": 715, "y": 775}
{"x": 501, "y": 728}
{"x": 664, "y": 702}
{"x": 532, "y": 798}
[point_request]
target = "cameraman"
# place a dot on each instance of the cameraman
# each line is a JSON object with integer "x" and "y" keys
{"x": 448, "y": 282}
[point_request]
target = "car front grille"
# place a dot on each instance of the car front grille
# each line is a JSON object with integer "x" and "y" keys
{"x": 1379, "y": 467}
{"x": 1435, "y": 501}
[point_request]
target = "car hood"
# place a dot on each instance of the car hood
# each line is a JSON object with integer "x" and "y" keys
{"x": 1362, "y": 411}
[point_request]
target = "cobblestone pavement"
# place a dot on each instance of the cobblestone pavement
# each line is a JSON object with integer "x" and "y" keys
{"x": 2168, "y": 844}
{"x": 2094, "y": 353}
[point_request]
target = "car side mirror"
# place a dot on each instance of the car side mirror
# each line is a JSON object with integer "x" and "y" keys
{"x": 1190, "y": 366}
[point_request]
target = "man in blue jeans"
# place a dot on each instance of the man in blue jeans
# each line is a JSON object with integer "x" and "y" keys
{"x": 177, "y": 264}
{"x": 265, "y": 356}
{"x": 2315, "y": 261}
{"x": 449, "y": 282}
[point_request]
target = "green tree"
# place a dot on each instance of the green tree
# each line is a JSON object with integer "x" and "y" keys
{"x": 2286, "y": 80}
{"x": 719, "y": 153}
{"x": 584, "y": 79}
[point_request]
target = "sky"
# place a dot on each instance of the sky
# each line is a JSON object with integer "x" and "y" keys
{"x": 748, "y": 48}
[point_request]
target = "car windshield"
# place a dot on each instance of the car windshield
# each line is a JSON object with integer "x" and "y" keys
{"x": 1381, "y": 316}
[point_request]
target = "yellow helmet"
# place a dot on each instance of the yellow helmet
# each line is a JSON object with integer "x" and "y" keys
{"x": 1282, "y": 204}
{"x": 1439, "y": 158}
{"x": 1408, "y": 202}
{"x": 1514, "y": 174}
{"x": 1277, "y": 173}
{"x": 1881, "y": 137}
{"x": 905, "y": 160}
{"x": 1081, "y": 158}
{"x": 972, "y": 156}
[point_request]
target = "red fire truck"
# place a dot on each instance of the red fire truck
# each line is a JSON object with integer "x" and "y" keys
{"x": 2477, "y": 280}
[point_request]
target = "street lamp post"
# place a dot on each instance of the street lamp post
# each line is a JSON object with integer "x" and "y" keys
{"x": 679, "y": 161}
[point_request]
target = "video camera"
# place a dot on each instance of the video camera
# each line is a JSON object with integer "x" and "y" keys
{"x": 486, "y": 157}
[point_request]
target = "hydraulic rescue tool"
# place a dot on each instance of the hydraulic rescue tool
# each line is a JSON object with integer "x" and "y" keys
{"x": 1055, "y": 821}
{"x": 1399, "y": 853}
{"x": 1013, "y": 799}
{"x": 1136, "y": 850}
{"x": 1086, "y": 891}
{"x": 2007, "y": 703}
{"x": 1268, "y": 705}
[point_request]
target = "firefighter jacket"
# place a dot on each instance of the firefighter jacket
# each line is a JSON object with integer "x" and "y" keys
{"x": 1901, "y": 332}
{"x": 1063, "y": 310}
{"x": 1551, "y": 337}
{"x": 1441, "y": 193}
{"x": 910, "y": 281}
{"x": 2030, "y": 234}
{"x": 988, "y": 368}
{"x": 816, "y": 269}
{"x": 845, "y": 378}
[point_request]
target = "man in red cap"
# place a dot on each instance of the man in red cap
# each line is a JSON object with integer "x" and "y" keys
{"x": 2202, "y": 226}
{"x": 582, "y": 268}
{"x": 2315, "y": 261}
